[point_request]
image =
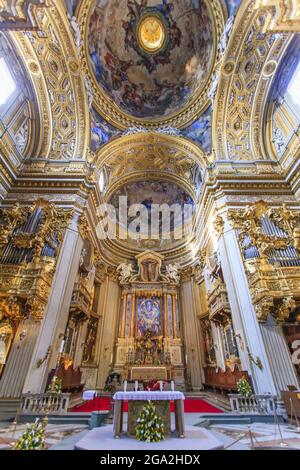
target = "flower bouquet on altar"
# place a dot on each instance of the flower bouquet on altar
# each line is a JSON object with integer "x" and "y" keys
{"x": 149, "y": 427}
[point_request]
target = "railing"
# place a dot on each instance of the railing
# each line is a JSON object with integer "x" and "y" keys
{"x": 54, "y": 403}
{"x": 256, "y": 404}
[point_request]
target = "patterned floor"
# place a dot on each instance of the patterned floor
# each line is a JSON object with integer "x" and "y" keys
{"x": 234, "y": 437}
{"x": 259, "y": 435}
{"x": 9, "y": 434}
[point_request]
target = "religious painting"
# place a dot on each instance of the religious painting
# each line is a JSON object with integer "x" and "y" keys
{"x": 232, "y": 6}
{"x": 101, "y": 131}
{"x": 71, "y": 6}
{"x": 149, "y": 317}
{"x": 90, "y": 341}
{"x": 149, "y": 270}
{"x": 149, "y": 193}
{"x": 200, "y": 131}
{"x": 209, "y": 347}
{"x": 142, "y": 58}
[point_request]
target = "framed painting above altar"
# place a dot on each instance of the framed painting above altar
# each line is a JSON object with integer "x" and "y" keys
{"x": 149, "y": 316}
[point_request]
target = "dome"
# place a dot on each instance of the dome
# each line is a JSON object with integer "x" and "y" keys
{"x": 151, "y": 58}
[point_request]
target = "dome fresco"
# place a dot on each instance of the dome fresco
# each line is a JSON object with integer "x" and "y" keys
{"x": 149, "y": 193}
{"x": 151, "y": 57}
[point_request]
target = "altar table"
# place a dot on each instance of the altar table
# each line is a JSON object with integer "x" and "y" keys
{"x": 145, "y": 396}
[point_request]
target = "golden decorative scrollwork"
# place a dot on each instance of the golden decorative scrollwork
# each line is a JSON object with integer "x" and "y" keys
{"x": 219, "y": 225}
{"x": 274, "y": 289}
{"x": 11, "y": 219}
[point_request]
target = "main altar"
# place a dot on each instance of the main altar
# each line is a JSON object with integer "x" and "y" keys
{"x": 136, "y": 400}
{"x": 149, "y": 345}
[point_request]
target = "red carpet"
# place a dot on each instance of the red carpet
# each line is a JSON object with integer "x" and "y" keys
{"x": 191, "y": 405}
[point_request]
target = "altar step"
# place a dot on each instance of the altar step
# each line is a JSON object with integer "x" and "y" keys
{"x": 68, "y": 418}
{"x": 237, "y": 419}
{"x": 214, "y": 399}
{"x": 9, "y": 408}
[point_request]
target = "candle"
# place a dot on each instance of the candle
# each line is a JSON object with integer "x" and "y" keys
{"x": 161, "y": 386}
{"x": 136, "y": 385}
{"x": 125, "y": 385}
{"x": 172, "y": 386}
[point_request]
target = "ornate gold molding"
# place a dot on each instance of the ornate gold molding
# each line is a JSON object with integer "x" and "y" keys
{"x": 274, "y": 289}
{"x": 282, "y": 15}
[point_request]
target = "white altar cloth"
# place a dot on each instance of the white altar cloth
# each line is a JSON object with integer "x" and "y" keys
{"x": 149, "y": 396}
{"x": 88, "y": 395}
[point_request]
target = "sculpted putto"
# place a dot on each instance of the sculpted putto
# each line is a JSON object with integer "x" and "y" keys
{"x": 125, "y": 271}
{"x": 172, "y": 273}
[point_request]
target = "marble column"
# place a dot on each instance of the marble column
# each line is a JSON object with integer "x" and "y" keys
{"x": 175, "y": 322}
{"x": 166, "y": 322}
{"x": 191, "y": 334}
{"x": 282, "y": 368}
{"x": 14, "y": 374}
{"x": 109, "y": 331}
{"x": 246, "y": 326}
{"x": 123, "y": 319}
{"x": 80, "y": 344}
{"x": 218, "y": 346}
{"x": 57, "y": 311}
{"x": 132, "y": 316}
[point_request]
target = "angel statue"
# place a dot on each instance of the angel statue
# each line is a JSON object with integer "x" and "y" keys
{"x": 172, "y": 273}
{"x": 125, "y": 272}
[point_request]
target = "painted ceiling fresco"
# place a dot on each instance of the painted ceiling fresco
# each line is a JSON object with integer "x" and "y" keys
{"x": 142, "y": 83}
{"x": 101, "y": 131}
{"x": 200, "y": 131}
{"x": 148, "y": 193}
{"x": 232, "y": 6}
{"x": 152, "y": 192}
{"x": 71, "y": 6}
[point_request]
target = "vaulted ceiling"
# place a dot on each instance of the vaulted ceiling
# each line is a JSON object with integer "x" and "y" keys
{"x": 180, "y": 92}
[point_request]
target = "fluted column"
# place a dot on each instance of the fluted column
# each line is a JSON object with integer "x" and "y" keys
{"x": 12, "y": 380}
{"x": 279, "y": 356}
{"x": 132, "y": 316}
{"x": 175, "y": 321}
{"x": 166, "y": 322}
{"x": 123, "y": 319}
{"x": 56, "y": 312}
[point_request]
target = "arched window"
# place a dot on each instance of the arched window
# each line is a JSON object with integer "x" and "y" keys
{"x": 8, "y": 85}
{"x": 18, "y": 106}
{"x": 284, "y": 110}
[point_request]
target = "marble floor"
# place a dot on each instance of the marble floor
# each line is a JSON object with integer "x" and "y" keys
{"x": 232, "y": 436}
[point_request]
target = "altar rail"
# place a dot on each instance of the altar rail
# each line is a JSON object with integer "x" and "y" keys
{"x": 257, "y": 404}
{"x": 57, "y": 403}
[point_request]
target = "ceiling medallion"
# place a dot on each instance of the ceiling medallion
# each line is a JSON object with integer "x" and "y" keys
{"x": 151, "y": 34}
